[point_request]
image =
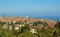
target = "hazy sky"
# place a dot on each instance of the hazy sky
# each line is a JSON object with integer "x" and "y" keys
{"x": 30, "y": 7}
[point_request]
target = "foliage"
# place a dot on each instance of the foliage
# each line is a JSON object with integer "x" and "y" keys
{"x": 58, "y": 23}
{"x": 25, "y": 32}
{"x": 40, "y": 22}
{"x": 1, "y": 23}
{"x": 19, "y": 22}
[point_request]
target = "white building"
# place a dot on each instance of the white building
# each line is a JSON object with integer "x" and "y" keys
{"x": 33, "y": 31}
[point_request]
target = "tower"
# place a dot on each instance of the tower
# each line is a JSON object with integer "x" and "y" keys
{"x": 4, "y": 15}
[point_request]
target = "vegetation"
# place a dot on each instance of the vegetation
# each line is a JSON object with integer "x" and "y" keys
{"x": 25, "y": 32}
{"x": 40, "y": 22}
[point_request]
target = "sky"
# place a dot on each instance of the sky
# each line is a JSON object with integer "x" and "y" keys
{"x": 33, "y": 8}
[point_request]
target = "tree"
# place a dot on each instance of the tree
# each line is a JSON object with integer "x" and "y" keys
{"x": 36, "y": 23}
{"x": 40, "y": 22}
{"x": 55, "y": 34}
{"x": 58, "y": 23}
{"x": 18, "y": 22}
{"x": 1, "y": 23}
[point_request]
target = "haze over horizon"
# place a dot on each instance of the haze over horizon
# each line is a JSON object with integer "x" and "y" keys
{"x": 33, "y": 8}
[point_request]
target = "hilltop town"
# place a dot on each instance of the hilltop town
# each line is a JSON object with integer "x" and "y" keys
{"x": 28, "y": 20}
{"x": 19, "y": 24}
{"x": 25, "y": 20}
